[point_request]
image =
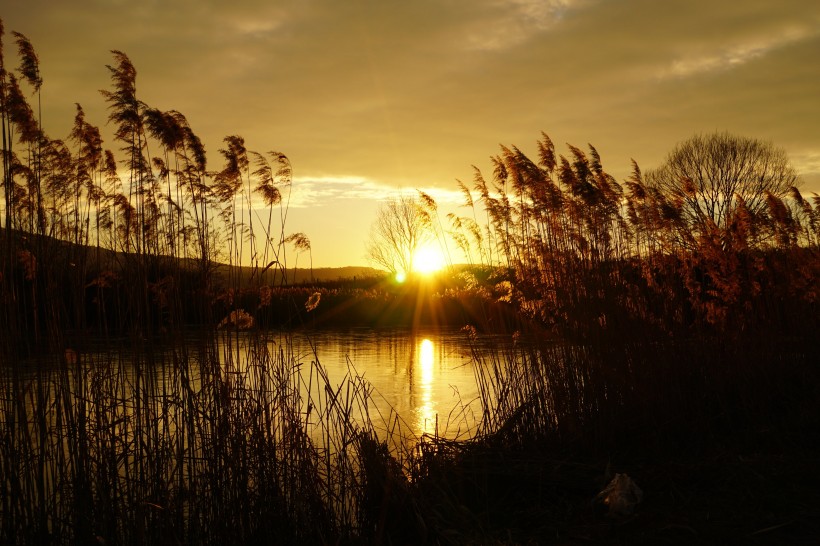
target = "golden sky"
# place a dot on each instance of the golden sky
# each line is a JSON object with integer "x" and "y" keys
{"x": 369, "y": 97}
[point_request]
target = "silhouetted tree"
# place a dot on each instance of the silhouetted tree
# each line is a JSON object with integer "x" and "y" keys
{"x": 709, "y": 176}
{"x": 401, "y": 227}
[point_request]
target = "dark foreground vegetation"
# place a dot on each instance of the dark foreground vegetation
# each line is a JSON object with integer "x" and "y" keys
{"x": 672, "y": 336}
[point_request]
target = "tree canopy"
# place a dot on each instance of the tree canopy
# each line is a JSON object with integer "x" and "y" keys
{"x": 401, "y": 227}
{"x": 714, "y": 176}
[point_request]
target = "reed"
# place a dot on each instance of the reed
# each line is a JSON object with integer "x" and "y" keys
{"x": 662, "y": 346}
{"x": 212, "y": 441}
{"x": 127, "y": 417}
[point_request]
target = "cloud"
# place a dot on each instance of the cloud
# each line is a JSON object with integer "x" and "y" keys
{"x": 511, "y": 22}
{"x": 254, "y": 27}
{"x": 444, "y": 197}
{"x": 310, "y": 191}
{"x": 735, "y": 54}
{"x": 807, "y": 163}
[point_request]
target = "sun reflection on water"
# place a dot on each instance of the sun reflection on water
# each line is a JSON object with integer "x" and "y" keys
{"x": 426, "y": 414}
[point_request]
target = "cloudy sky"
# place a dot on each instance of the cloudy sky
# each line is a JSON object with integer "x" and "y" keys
{"x": 371, "y": 97}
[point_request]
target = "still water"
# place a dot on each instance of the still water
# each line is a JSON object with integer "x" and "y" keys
{"x": 426, "y": 377}
{"x": 419, "y": 381}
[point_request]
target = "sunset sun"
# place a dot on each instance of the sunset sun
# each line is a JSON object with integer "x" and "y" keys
{"x": 428, "y": 259}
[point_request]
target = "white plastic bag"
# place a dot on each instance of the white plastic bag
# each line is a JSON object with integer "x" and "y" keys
{"x": 620, "y": 497}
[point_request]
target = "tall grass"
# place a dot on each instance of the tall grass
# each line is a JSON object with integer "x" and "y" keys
{"x": 224, "y": 441}
{"x": 696, "y": 333}
{"x": 592, "y": 257}
{"x": 127, "y": 417}
{"x": 668, "y": 344}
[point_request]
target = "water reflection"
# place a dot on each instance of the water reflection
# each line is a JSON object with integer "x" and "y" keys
{"x": 426, "y": 415}
{"x": 425, "y": 377}
{"x": 420, "y": 381}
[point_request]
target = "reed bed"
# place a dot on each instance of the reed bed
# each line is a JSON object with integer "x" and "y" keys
{"x": 721, "y": 439}
{"x": 118, "y": 425}
{"x": 202, "y": 443}
{"x": 665, "y": 339}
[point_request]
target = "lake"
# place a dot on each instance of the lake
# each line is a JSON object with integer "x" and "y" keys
{"x": 199, "y": 425}
{"x": 419, "y": 381}
{"x": 426, "y": 377}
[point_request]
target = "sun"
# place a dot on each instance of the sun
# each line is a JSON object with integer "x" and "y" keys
{"x": 428, "y": 259}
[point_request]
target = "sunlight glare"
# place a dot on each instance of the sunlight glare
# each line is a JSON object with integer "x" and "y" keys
{"x": 426, "y": 414}
{"x": 428, "y": 259}
{"x": 426, "y": 359}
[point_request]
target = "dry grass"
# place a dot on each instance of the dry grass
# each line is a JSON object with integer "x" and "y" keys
{"x": 225, "y": 440}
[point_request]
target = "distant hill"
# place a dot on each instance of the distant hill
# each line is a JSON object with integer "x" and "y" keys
{"x": 22, "y": 240}
{"x": 305, "y": 275}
